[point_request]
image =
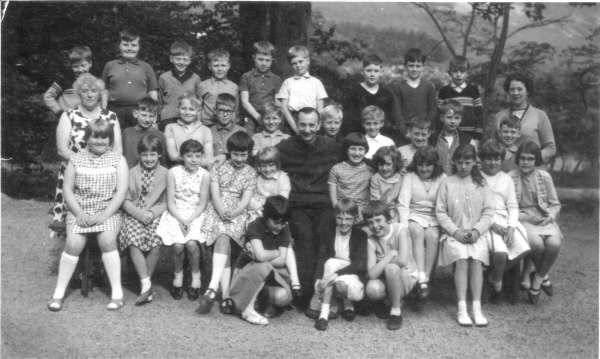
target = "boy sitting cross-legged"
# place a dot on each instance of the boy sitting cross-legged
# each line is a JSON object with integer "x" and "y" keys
{"x": 263, "y": 264}
{"x": 342, "y": 266}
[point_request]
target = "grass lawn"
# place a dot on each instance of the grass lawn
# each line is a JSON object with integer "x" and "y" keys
{"x": 564, "y": 326}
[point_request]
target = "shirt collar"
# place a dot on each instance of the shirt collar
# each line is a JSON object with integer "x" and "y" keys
{"x": 229, "y": 126}
{"x": 183, "y": 77}
{"x": 275, "y": 175}
{"x": 306, "y": 76}
{"x": 277, "y": 133}
{"x": 257, "y": 73}
{"x": 123, "y": 60}
{"x": 188, "y": 126}
{"x": 459, "y": 87}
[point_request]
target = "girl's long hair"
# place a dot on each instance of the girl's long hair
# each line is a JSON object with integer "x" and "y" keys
{"x": 467, "y": 152}
{"x": 429, "y": 156}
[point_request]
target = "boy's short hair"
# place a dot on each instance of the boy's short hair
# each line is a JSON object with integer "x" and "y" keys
{"x": 79, "y": 53}
{"x": 451, "y": 105}
{"x": 217, "y": 54}
{"x": 128, "y": 35}
{"x": 377, "y": 208}
{"x": 148, "y": 104}
{"x": 150, "y": 143}
{"x": 263, "y": 48}
{"x": 346, "y": 205}
{"x": 426, "y": 155}
{"x": 191, "y": 146}
{"x": 521, "y": 77}
{"x": 88, "y": 80}
{"x": 298, "y": 51}
{"x": 420, "y": 122}
{"x": 372, "y": 60}
{"x": 308, "y": 111}
{"x": 531, "y": 148}
{"x": 372, "y": 112}
{"x": 414, "y": 55}
{"x": 276, "y": 208}
{"x": 240, "y": 141}
{"x": 181, "y": 48}
{"x": 271, "y": 108}
{"x": 268, "y": 155}
{"x": 383, "y": 152}
{"x": 354, "y": 139}
{"x": 511, "y": 121}
{"x": 332, "y": 108}
{"x": 226, "y": 99}
{"x": 491, "y": 148}
{"x": 189, "y": 96}
{"x": 458, "y": 63}
{"x": 100, "y": 128}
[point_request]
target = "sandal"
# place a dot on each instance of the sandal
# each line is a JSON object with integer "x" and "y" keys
{"x": 227, "y": 306}
{"x": 55, "y": 304}
{"x": 206, "y": 301}
{"x": 547, "y": 287}
{"x": 115, "y": 304}
{"x": 144, "y": 298}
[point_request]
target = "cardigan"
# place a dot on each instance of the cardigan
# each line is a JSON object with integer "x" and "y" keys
{"x": 547, "y": 198}
{"x": 155, "y": 199}
{"x": 358, "y": 254}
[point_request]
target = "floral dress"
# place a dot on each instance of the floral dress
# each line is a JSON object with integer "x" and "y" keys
{"x": 232, "y": 183}
{"x": 76, "y": 143}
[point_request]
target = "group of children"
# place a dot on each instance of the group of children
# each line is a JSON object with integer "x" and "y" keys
{"x": 416, "y": 186}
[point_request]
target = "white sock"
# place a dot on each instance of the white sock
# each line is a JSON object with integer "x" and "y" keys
{"x": 178, "y": 279}
{"x": 462, "y": 306}
{"x": 476, "y": 307}
{"x": 66, "y": 268}
{"x": 497, "y": 285}
{"x": 112, "y": 264}
{"x": 146, "y": 284}
{"x": 324, "y": 311}
{"x": 218, "y": 264}
{"x": 225, "y": 281}
{"x": 422, "y": 277}
{"x": 195, "y": 279}
{"x": 395, "y": 311}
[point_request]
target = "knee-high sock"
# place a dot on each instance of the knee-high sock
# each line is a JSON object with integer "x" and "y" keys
{"x": 112, "y": 264}
{"x": 66, "y": 268}
{"x": 218, "y": 265}
{"x": 225, "y": 281}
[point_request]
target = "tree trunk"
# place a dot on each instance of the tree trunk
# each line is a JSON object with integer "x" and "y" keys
{"x": 254, "y": 25}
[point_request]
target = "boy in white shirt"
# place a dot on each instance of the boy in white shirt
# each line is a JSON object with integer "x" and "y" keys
{"x": 372, "y": 120}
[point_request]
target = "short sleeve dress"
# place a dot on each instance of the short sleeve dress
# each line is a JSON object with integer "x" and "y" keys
{"x": 232, "y": 183}
{"x": 95, "y": 185}
{"x": 76, "y": 143}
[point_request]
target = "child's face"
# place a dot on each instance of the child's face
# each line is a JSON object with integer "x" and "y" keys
{"x": 191, "y": 161}
{"x": 526, "y": 162}
{"x": 275, "y": 225}
{"x": 219, "y": 68}
{"x": 224, "y": 114}
{"x": 149, "y": 159}
{"x": 300, "y": 65}
{"x": 180, "y": 62}
{"x": 372, "y": 74}
{"x": 464, "y": 166}
{"x": 344, "y": 222}
{"x": 509, "y": 135}
{"x": 262, "y": 62}
{"x": 414, "y": 70}
{"x": 491, "y": 165}
{"x": 187, "y": 111}
{"x": 331, "y": 126}
{"x": 379, "y": 226}
{"x": 266, "y": 170}
{"x": 130, "y": 49}
{"x": 459, "y": 76}
{"x": 308, "y": 125}
{"x": 271, "y": 122}
{"x": 425, "y": 170}
{"x": 81, "y": 67}
{"x": 386, "y": 168}
{"x": 98, "y": 145}
{"x": 145, "y": 118}
{"x": 238, "y": 158}
{"x": 372, "y": 126}
{"x": 419, "y": 137}
{"x": 356, "y": 154}
{"x": 451, "y": 120}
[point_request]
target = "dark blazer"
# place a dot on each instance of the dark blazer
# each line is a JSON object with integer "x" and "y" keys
{"x": 358, "y": 254}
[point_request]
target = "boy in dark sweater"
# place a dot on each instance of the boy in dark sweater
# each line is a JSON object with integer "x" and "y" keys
{"x": 449, "y": 138}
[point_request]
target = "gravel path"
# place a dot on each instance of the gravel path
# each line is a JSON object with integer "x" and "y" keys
{"x": 565, "y": 326}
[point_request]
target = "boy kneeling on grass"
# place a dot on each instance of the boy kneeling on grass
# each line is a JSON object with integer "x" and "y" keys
{"x": 263, "y": 263}
{"x": 390, "y": 263}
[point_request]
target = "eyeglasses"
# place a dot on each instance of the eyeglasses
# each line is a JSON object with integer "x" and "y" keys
{"x": 225, "y": 112}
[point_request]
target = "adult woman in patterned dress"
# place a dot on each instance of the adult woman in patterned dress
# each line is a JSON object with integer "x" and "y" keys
{"x": 70, "y": 135}
{"x": 95, "y": 185}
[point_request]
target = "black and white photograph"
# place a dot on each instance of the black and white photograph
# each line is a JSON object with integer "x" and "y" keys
{"x": 327, "y": 179}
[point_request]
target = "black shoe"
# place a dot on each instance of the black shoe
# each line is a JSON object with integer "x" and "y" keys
{"x": 362, "y": 308}
{"x": 394, "y": 322}
{"x": 321, "y": 324}
{"x": 495, "y": 296}
{"x": 145, "y": 297}
{"x": 272, "y": 312}
{"x": 423, "y": 291}
{"x": 547, "y": 287}
{"x": 312, "y": 313}
{"x": 227, "y": 306}
{"x": 193, "y": 293}
{"x": 381, "y": 310}
{"x": 176, "y": 292}
{"x": 533, "y": 294}
{"x": 205, "y": 302}
{"x": 349, "y": 314}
